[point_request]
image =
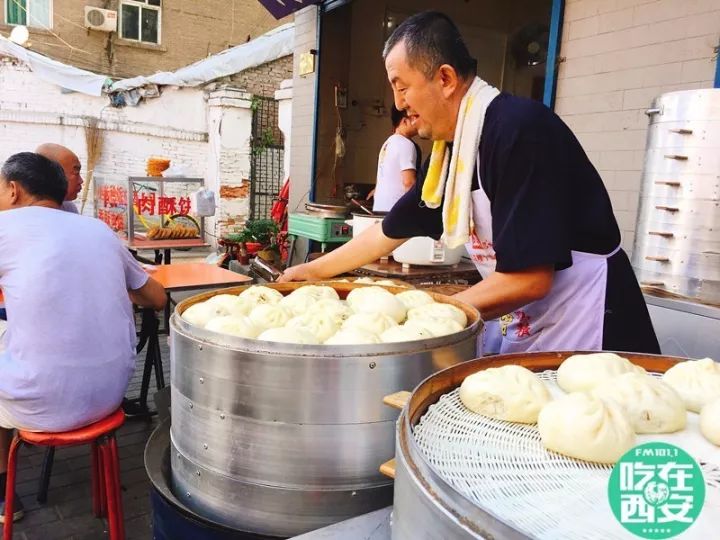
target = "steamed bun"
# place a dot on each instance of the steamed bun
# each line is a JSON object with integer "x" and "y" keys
{"x": 442, "y": 311}
{"x": 298, "y": 304}
{"x": 413, "y": 299}
{"x": 710, "y": 421}
{"x": 697, "y": 382}
{"x": 389, "y": 283}
{"x": 582, "y": 426}
{"x": 376, "y": 300}
{"x": 199, "y": 314}
{"x": 233, "y": 325}
{"x": 400, "y": 333}
{"x": 353, "y": 336}
{"x": 231, "y": 304}
{"x": 259, "y": 294}
{"x": 375, "y": 323}
{"x": 267, "y": 316}
{"x": 436, "y": 326}
{"x": 339, "y": 310}
{"x": 321, "y": 324}
{"x": 651, "y": 405}
{"x": 583, "y": 372}
{"x": 511, "y": 393}
{"x": 284, "y": 334}
{"x": 317, "y": 291}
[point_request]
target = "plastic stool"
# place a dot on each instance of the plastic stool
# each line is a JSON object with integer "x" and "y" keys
{"x": 107, "y": 499}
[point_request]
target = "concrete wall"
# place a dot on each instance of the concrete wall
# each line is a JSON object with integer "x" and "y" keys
{"x": 190, "y": 30}
{"x": 618, "y": 55}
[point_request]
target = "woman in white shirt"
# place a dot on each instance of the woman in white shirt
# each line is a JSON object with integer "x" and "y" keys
{"x": 398, "y": 163}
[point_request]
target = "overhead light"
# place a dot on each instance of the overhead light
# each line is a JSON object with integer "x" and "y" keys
{"x": 20, "y": 35}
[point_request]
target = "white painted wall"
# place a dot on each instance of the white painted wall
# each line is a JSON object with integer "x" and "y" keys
{"x": 303, "y": 111}
{"x": 619, "y": 55}
{"x": 208, "y": 132}
{"x": 284, "y": 98}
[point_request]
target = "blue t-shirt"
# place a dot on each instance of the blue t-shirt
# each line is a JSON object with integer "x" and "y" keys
{"x": 69, "y": 348}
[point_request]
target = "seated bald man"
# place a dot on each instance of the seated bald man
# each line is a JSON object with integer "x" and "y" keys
{"x": 69, "y": 349}
{"x": 71, "y": 166}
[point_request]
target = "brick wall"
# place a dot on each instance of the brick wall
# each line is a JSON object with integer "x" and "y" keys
{"x": 264, "y": 80}
{"x": 190, "y": 30}
{"x": 619, "y": 55}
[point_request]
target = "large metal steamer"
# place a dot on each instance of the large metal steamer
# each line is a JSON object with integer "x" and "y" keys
{"x": 281, "y": 439}
{"x": 430, "y": 499}
{"x": 677, "y": 245}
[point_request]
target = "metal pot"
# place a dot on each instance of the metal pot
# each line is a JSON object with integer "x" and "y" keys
{"x": 361, "y": 221}
{"x": 426, "y": 505}
{"x": 424, "y": 251}
{"x": 677, "y": 246}
{"x": 280, "y": 439}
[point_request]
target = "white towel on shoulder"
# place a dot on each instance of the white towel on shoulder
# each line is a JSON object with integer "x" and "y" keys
{"x": 450, "y": 174}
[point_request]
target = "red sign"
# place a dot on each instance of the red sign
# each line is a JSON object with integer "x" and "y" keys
{"x": 114, "y": 220}
{"x": 113, "y": 196}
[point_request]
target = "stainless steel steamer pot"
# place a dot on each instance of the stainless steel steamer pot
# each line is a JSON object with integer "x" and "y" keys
{"x": 677, "y": 246}
{"x": 426, "y": 506}
{"x": 280, "y": 439}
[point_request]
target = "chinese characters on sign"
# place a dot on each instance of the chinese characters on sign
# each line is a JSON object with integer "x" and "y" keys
{"x": 149, "y": 204}
{"x": 112, "y": 200}
{"x": 114, "y": 220}
{"x": 656, "y": 490}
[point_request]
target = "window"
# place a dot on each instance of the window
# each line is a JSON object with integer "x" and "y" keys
{"x": 140, "y": 20}
{"x": 37, "y": 13}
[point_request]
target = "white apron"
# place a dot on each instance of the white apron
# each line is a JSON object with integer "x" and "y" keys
{"x": 570, "y": 317}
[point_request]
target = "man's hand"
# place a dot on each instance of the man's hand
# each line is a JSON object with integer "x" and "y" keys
{"x": 301, "y": 272}
{"x": 151, "y": 295}
{"x": 370, "y": 195}
{"x": 368, "y": 247}
{"x": 503, "y": 292}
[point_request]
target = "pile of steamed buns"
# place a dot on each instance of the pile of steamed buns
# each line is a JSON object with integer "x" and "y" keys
{"x": 314, "y": 314}
{"x": 608, "y": 401}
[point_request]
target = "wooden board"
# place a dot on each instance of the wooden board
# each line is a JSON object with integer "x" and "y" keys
{"x": 388, "y": 468}
{"x": 398, "y": 399}
{"x": 188, "y": 276}
{"x": 392, "y": 269}
{"x": 139, "y": 243}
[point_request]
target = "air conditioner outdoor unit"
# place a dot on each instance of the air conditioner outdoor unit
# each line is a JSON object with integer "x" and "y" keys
{"x": 104, "y": 20}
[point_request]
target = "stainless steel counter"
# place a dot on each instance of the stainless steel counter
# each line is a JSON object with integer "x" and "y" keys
{"x": 372, "y": 526}
{"x": 685, "y": 328}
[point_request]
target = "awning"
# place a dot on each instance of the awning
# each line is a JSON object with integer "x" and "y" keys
{"x": 283, "y": 8}
{"x": 270, "y": 46}
{"x": 55, "y": 72}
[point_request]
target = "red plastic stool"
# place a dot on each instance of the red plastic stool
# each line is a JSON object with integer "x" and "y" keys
{"x": 107, "y": 500}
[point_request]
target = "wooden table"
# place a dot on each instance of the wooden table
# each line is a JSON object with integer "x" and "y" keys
{"x": 166, "y": 246}
{"x": 174, "y": 278}
{"x": 463, "y": 271}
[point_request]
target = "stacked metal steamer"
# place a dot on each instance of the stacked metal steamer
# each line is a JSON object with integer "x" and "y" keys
{"x": 279, "y": 439}
{"x": 677, "y": 242}
{"x": 460, "y": 477}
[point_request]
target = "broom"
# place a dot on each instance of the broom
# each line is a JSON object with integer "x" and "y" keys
{"x": 93, "y": 147}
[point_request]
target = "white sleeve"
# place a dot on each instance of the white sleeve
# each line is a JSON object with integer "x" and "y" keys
{"x": 406, "y": 154}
